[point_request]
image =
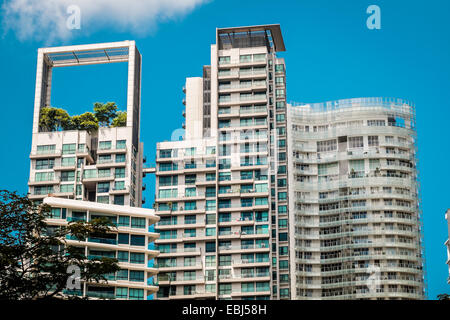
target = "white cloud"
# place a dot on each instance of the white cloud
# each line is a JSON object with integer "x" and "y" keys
{"x": 47, "y": 19}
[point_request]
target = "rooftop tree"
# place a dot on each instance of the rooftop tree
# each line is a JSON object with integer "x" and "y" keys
{"x": 105, "y": 112}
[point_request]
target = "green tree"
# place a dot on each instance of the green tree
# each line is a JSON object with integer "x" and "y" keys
{"x": 34, "y": 258}
{"x": 120, "y": 120}
{"x": 443, "y": 296}
{"x": 86, "y": 121}
{"x": 54, "y": 119}
{"x": 105, "y": 112}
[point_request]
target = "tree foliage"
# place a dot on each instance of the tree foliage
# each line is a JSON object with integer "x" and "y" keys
{"x": 34, "y": 259}
{"x": 443, "y": 296}
{"x": 86, "y": 121}
{"x": 104, "y": 115}
{"x": 105, "y": 112}
{"x": 54, "y": 119}
{"x": 120, "y": 120}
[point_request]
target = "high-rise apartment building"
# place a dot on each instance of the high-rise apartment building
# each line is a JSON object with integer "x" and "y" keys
{"x": 263, "y": 200}
{"x": 355, "y": 216}
{"x": 222, "y": 191}
{"x": 85, "y": 174}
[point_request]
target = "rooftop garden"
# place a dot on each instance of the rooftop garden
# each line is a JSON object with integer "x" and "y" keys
{"x": 103, "y": 115}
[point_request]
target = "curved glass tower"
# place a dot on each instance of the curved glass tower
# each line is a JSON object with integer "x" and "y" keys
{"x": 355, "y": 212}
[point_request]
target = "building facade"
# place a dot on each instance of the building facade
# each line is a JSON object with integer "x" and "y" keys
{"x": 222, "y": 191}
{"x": 355, "y": 214}
{"x": 85, "y": 174}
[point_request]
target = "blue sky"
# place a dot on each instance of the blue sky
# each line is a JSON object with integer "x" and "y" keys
{"x": 330, "y": 55}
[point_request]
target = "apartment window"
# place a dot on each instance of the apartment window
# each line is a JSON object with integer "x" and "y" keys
{"x": 122, "y": 274}
{"x": 136, "y": 294}
{"x": 210, "y": 261}
{"x": 46, "y": 149}
{"x": 279, "y": 68}
{"x": 248, "y": 287}
{"x": 211, "y": 218}
{"x": 122, "y": 256}
{"x": 44, "y": 176}
{"x": 224, "y": 60}
{"x": 104, "y": 145}
{"x": 190, "y": 192}
{"x": 119, "y": 173}
{"x": 355, "y": 142}
{"x": 45, "y": 164}
{"x": 103, "y": 199}
{"x": 282, "y": 236}
{"x": 124, "y": 221}
{"x": 103, "y": 187}
{"x": 210, "y": 191}
{"x": 210, "y": 247}
{"x": 119, "y": 185}
{"x": 68, "y": 161}
{"x": 326, "y": 146}
{"x": 282, "y": 223}
{"x": 138, "y": 223}
{"x": 210, "y": 205}
{"x": 280, "y": 117}
{"x": 136, "y": 276}
{"x": 245, "y": 58}
{"x": 121, "y": 144}
{"x": 119, "y": 200}
{"x": 69, "y": 148}
{"x": 190, "y": 205}
{"x": 120, "y": 157}
{"x": 279, "y": 80}
{"x": 373, "y": 141}
{"x": 137, "y": 240}
{"x": 137, "y": 258}
{"x": 210, "y": 232}
{"x": 66, "y": 188}
{"x": 123, "y": 238}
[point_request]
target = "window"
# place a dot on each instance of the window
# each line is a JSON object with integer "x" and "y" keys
{"x": 119, "y": 173}
{"x": 121, "y": 144}
{"x": 224, "y": 60}
{"x": 69, "y": 148}
{"x": 355, "y": 142}
{"x": 122, "y": 293}
{"x": 224, "y": 288}
{"x": 67, "y": 176}
{"x": 119, "y": 200}
{"x": 190, "y": 205}
{"x": 68, "y": 161}
{"x": 210, "y": 191}
{"x": 103, "y": 199}
{"x": 104, "y": 145}
{"x": 210, "y": 205}
{"x": 137, "y": 240}
{"x": 326, "y": 146}
{"x": 210, "y": 261}
{"x": 120, "y": 157}
{"x": 210, "y": 232}
{"x": 245, "y": 58}
{"x": 122, "y": 274}
{"x": 45, "y": 164}
{"x": 138, "y": 223}
{"x": 103, "y": 187}
{"x": 248, "y": 287}
{"x": 210, "y": 247}
{"x": 137, "y": 258}
{"x": 279, "y": 67}
{"x": 373, "y": 141}
{"x": 66, "y": 188}
{"x": 123, "y": 238}
{"x": 124, "y": 221}
{"x": 46, "y": 149}
{"x": 44, "y": 176}
{"x": 136, "y": 294}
